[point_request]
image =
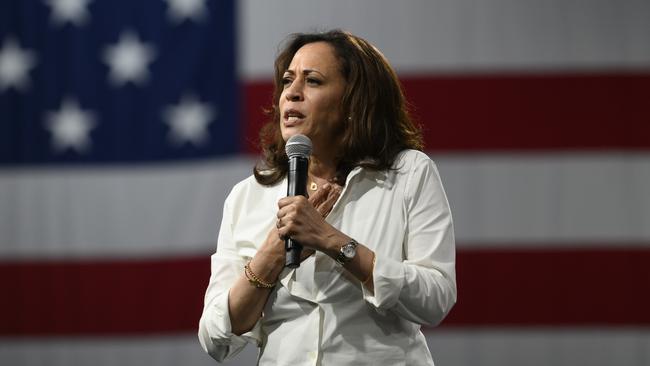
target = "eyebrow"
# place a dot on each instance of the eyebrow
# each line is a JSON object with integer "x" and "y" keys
{"x": 305, "y": 72}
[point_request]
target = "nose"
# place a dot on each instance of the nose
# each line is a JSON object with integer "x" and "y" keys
{"x": 293, "y": 92}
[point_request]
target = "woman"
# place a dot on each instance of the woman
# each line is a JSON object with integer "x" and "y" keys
{"x": 379, "y": 244}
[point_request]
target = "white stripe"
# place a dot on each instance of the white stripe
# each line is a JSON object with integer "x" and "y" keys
{"x": 461, "y": 35}
{"x": 549, "y": 199}
{"x": 526, "y": 199}
{"x": 466, "y": 347}
{"x": 105, "y": 351}
{"x": 540, "y": 347}
{"x": 118, "y": 211}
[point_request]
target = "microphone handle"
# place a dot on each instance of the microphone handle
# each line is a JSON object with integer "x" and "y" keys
{"x": 296, "y": 186}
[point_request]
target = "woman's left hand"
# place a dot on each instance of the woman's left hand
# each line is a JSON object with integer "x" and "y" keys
{"x": 300, "y": 220}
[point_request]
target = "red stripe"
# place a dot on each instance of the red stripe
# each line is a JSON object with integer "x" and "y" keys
{"x": 528, "y": 112}
{"x": 500, "y": 287}
{"x": 103, "y": 297}
{"x": 581, "y": 287}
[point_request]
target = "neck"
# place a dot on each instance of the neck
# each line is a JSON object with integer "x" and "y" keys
{"x": 322, "y": 168}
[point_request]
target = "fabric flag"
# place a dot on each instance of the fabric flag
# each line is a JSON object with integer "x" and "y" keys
{"x": 119, "y": 121}
{"x": 123, "y": 126}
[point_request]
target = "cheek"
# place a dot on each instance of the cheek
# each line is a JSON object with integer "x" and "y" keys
{"x": 333, "y": 112}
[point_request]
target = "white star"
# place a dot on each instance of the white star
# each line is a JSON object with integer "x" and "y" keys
{"x": 180, "y": 10}
{"x": 14, "y": 65}
{"x": 189, "y": 121}
{"x": 70, "y": 127}
{"x": 73, "y": 11}
{"x": 129, "y": 60}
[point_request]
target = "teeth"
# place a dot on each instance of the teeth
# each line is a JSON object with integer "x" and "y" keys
{"x": 293, "y": 118}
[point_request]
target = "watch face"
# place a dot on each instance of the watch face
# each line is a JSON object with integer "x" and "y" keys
{"x": 349, "y": 250}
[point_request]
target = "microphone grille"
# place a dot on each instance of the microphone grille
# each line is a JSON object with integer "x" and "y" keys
{"x": 298, "y": 145}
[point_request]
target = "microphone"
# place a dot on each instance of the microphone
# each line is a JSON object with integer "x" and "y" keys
{"x": 298, "y": 149}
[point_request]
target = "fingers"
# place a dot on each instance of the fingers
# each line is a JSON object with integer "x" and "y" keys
{"x": 328, "y": 203}
{"x": 286, "y": 226}
{"x": 323, "y": 200}
{"x": 289, "y": 205}
{"x": 302, "y": 218}
{"x": 286, "y": 220}
{"x": 286, "y": 201}
{"x": 320, "y": 195}
{"x": 296, "y": 217}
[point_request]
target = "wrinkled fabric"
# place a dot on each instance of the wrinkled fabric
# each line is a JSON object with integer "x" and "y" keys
{"x": 319, "y": 314}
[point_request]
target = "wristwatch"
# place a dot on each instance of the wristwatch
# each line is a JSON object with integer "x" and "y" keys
{"x": 347, "y": 252}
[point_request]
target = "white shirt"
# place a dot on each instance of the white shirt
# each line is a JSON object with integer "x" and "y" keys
{"x": 319, "y": 314}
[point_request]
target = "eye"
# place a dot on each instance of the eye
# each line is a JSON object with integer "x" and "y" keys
{"x": 313, "y": 81}
{"x": 286, "y": 81}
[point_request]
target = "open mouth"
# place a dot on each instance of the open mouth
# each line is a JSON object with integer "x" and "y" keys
{"x": 293, "y": 115}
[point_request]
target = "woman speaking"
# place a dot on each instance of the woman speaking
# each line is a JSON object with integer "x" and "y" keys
{"x": 379, "y": 254}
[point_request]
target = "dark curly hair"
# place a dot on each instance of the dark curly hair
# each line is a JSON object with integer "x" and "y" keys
{"x": 378, "y": 127}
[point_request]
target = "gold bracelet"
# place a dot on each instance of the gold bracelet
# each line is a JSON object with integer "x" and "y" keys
{"x": 372, "y": 269}
{"x": 254, "y": 280}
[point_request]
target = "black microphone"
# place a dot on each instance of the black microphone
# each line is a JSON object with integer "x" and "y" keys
{"x": 298, "y": 149}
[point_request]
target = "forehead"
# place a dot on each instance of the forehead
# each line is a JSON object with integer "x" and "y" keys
{"x": 318, "y": 56}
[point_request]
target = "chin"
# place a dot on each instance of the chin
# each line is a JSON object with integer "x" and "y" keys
{"x": 289, "y": 132}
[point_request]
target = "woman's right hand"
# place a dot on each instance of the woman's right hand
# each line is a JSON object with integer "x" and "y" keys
{"x": 323, "y": 200}
{"x": 244, "y": 301}
{"x": 272, "y": 251}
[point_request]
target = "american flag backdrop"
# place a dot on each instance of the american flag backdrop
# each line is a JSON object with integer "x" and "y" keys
{"x": 124, "y": 124}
